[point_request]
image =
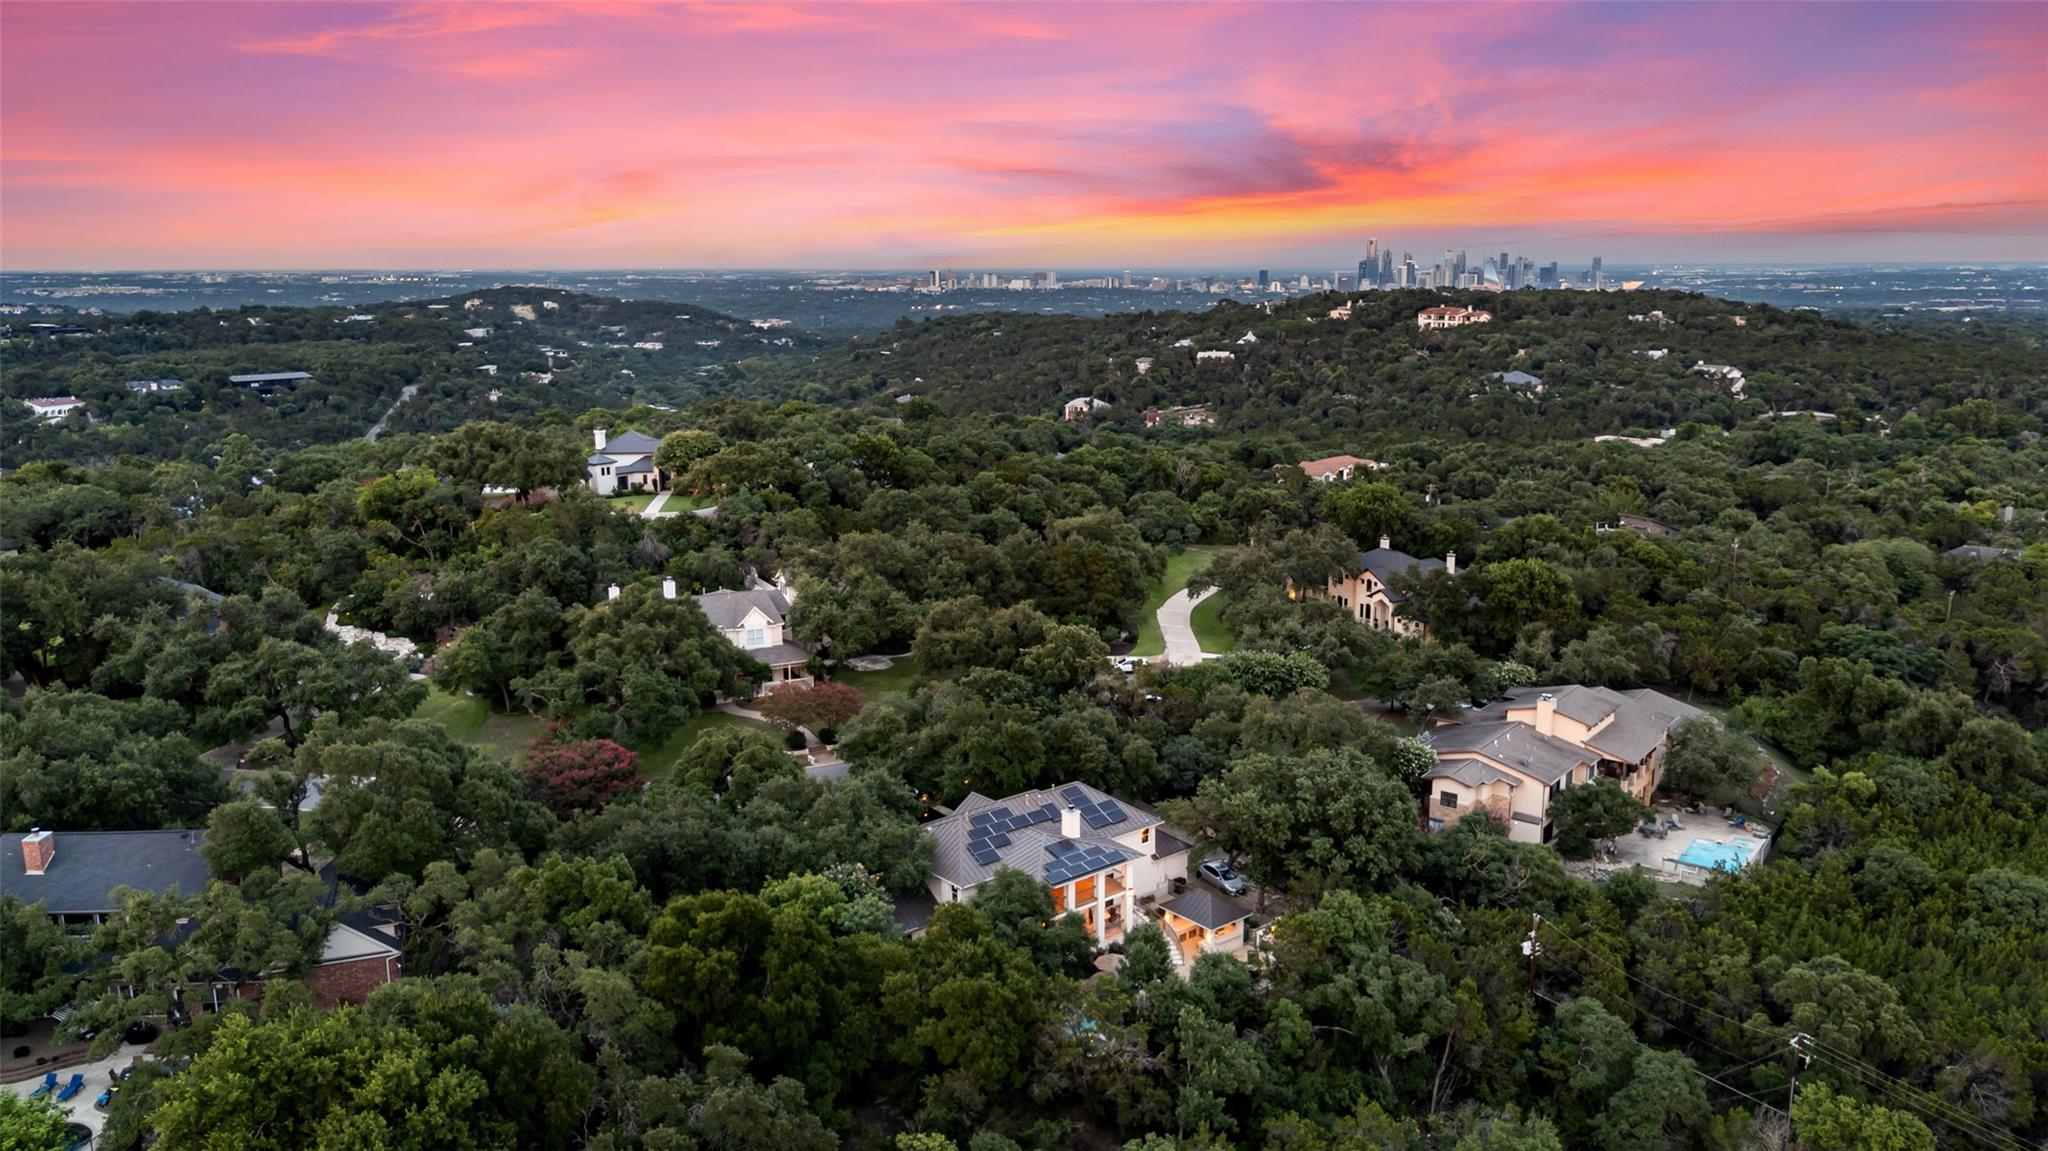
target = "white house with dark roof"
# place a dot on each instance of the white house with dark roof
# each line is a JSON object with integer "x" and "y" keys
{"x": 756, "y": 620}
{"x": 1511, "y": 757}
{"x": 623, "y": 464}
{"x": 1366, "y": 593}
{"x": 1103, "y": 858}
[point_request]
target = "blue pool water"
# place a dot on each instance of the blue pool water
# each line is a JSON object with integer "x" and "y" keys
{"x": 1732, "y": 855}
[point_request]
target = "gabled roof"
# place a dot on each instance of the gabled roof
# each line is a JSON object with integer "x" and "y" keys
{"x": 1636, "y": 721}
{"x": 636, "y": 467}
{"x": 597, "y": 458}
{"x": 1470, "y": 772}
{"x": 1384, "y": 562}
{"x": 1334, "y": 463}
{"x": 1543, "y": 758}
{"x": 1022, "y": 833}
{"x": 631, "y": 444}
{"x": 1518, "y": 379}
{"x": 89, "y": 865}
{"x": 1207, "y": 908}
{"x": 728, "y": 609}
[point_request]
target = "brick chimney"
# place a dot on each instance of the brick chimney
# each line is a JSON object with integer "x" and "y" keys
{"x": 38, "y": 848}
{"x": 1546, "y": 713}
{"x": 1070, "y": 822}
{"x": 599, "y": 436}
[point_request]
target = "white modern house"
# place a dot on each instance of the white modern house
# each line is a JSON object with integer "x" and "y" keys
{"x": 1445, "y": 316}
{"x": 1080, "y": 408}
{"x": 624, "y": 464}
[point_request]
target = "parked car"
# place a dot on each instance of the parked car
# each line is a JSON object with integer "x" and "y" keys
{"x": 1218, "y": 873}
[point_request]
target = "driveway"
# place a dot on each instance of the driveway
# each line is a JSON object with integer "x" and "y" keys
{"x": 1181, "y": 645}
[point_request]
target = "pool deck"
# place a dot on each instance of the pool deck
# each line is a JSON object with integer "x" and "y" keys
{"x": 1660, "y": 856}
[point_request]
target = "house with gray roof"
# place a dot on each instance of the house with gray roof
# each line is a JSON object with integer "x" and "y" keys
{"x": 622, "y": 463}
{"x": 1367, "y": 592}
{"x": 1511, "y": 757}
{"x": 1103, "y": 858}
{"x": 756, "y": 619}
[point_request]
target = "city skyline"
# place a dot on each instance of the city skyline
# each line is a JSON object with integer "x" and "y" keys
{"x": 1165, "y": 136}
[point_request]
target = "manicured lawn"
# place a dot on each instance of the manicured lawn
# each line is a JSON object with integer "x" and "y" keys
{"x": 1210, "y": 632}
{"x": 877, "y": 683}
{"x": 468, "y": 719}
{"x": 682, "y": 502}
{"x": 635, "y": 503}
{"x": 660, "y": 758}
{"x": 1179, "y": 569}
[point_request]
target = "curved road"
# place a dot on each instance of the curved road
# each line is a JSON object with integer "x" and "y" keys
{"x": 1181, "y": 645}
{"x": 377, "y": 429}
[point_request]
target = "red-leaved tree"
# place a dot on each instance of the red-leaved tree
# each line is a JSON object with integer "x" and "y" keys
{"x": 570, "y": 776}
{"x": 818, "y": 707}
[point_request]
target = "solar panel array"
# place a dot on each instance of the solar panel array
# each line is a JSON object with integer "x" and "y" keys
{"x": 1098, "y": 815}
{"x": 1072, "y": 859}
{"x": 988, "y": 831}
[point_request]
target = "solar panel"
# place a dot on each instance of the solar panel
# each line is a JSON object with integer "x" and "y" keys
{"x": 983, "y": 854}
{"x": 999, "y": 812}
{"x": 980, "y": 819}
{"x": 999, "y": 839}
{"x": 1046, "y": 814}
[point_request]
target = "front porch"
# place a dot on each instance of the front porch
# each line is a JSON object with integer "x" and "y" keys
{"x": 1102, "y": 902}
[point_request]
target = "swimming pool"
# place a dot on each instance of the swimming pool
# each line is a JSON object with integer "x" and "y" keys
{"x": 1719, "y": 855}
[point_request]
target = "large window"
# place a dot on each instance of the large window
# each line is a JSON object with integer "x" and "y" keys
{"x": 757, "y": 637}
{"x": 1447, "y": 799}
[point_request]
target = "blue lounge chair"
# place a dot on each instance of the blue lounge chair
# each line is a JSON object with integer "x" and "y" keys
{"x": 49, "y": 1085}
{"x": 72, "y": 1086}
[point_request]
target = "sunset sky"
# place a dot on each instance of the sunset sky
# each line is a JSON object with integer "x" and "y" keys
{"x": 222, "y": 135}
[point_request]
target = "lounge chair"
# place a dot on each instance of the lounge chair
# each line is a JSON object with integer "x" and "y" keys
{"x": 72, "y": 1086}
{"x": 49, "y": 1085}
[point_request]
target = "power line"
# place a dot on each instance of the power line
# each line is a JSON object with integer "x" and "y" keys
{"x": 1928, "y": 1104}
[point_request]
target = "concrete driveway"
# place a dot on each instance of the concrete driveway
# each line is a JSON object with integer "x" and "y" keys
{"x": 1181, "y": 645}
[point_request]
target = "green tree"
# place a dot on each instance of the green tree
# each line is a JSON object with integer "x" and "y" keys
{"x": 1591, "y": 811}
{"x": 1709, "y": 761}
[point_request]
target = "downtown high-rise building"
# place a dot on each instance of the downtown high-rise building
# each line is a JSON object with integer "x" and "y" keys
{"x": 1597, "y": 279}
{"x": 1265, "y": 279}
{"x": 1386, "y": 266}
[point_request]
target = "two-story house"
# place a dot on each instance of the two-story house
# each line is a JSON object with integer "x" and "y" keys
{"x": 755, "y": 620}
{"x": 623, "y": 464}
{"x": 1510, "y": 758}
{"x": 1367, "y": 595}
{"x": 73, "y": 877}
{"x": 1102, "y": 857}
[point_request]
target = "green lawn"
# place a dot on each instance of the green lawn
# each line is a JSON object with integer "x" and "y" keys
{"x": 660, "y": 758}
{"x": 468, "y": 719}
{"x": 682, "y": 502}
{"x": 1179, "y": 569}
{"x": 635, "y": 503}
{"x": 1210, "y": 631}
{"x": 877, "y": 683}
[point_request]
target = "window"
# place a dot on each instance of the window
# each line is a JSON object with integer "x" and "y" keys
{"x": 1447, "y": 799}
{"x": 954, "y": 889}
{"x": 757, "y": 637}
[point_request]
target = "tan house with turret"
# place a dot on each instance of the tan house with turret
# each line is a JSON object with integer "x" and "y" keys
{"x": 1510, "y": 758}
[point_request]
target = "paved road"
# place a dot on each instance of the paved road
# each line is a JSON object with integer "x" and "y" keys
{"x": 1181, "y": 645}
{"x": 377, "y": 429}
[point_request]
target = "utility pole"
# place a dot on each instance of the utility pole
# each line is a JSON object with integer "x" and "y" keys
{"x": 1792, "y": 1088}
{"x": 1531, "y": 949}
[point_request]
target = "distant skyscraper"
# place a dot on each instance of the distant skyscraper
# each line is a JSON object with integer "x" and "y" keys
{"x": 1368, "y": 270}
{"x": 932, "y": 278}
{"x": 1264, "y": 279}
{"x": 1503, "y": 265}
{"x": 1597, "y": 284}
{"x": 1459, "y": 266}
{"x": 1386, "y": 266}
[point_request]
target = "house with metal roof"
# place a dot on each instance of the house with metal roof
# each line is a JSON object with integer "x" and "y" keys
{"x": 1510, "y": 758}
{"x": 266, "y": 384}
{"x": 1199, "y": 920}
{"x": 1367, "y": 592}
{"x": 624, "y": 463}
{"x": 1103, "y": 858}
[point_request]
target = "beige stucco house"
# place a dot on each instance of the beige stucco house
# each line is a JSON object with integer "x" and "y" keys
{"x": 1366, "y": 595}
{"x": 1105, "y": 860}
{"x": 1512, "y": 757}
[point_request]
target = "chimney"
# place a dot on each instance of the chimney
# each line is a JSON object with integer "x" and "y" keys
{"x": 612, "y": 592}
{"x": 1450, "y": 563}
{"x": 1386, "y": 543}
{"x": 598, "y": 435}
{"x": 1070, "y": 822}
{"x": 1546, "y": 713}
{"x": 38, "y": 847}
{"x": 668, "y": 588}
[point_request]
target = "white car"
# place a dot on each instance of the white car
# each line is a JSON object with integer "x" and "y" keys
{"x": 1218, "y": 872}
